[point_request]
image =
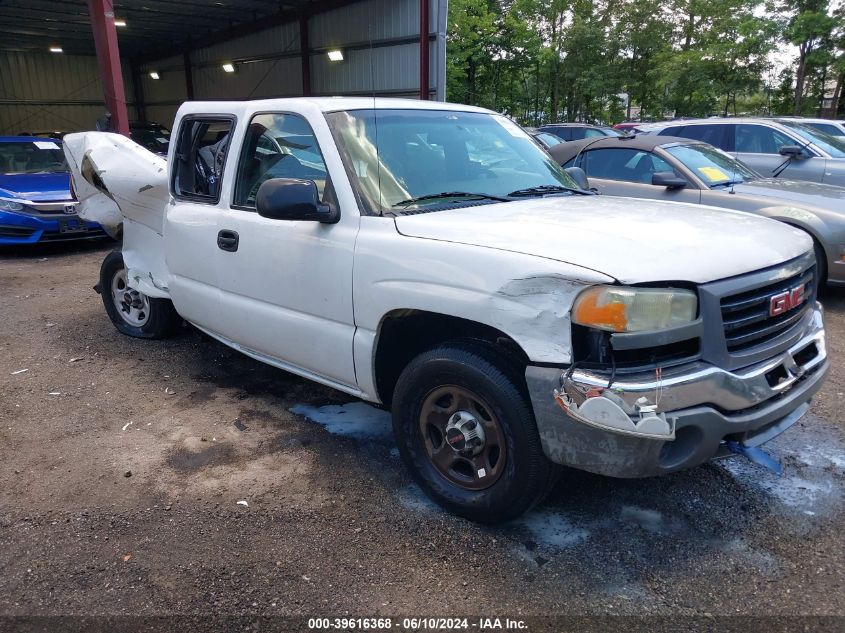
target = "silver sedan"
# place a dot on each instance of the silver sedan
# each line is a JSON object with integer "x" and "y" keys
{"x": 669, "y": 168}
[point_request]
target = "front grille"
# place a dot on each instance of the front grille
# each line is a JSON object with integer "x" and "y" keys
{"x": 50, "y": 207}
{"x": 746, "y": 318}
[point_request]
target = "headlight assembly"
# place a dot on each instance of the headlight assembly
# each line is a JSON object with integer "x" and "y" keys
{"x": 628, "y": 309}
{"x": 10, "y": 205}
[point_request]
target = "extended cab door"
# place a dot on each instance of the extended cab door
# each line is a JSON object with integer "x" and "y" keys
{"x": 191, "y": 232}
{"x": 629, "y": 172}
{"x": 286, "y": 286}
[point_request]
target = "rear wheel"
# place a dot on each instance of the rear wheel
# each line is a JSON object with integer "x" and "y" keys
{"x": 466, "y": 430}
{"x": 133, "y": 313}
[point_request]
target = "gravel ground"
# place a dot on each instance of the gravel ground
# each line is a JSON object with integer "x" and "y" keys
{"x": 125, "y": 465}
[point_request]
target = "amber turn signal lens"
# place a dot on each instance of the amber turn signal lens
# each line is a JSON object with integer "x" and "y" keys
{"x": 607, "y": 316}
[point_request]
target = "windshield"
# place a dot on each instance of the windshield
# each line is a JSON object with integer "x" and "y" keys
{"x": 397, "y": 156}
{"x": 833, "y": 145}
{"x": 32, "y": 157}
{"x": 549, "y": 140}
{"x": 713, "y": 166}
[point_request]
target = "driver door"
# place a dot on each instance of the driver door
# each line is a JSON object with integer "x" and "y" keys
{"x": 286, "y": 286}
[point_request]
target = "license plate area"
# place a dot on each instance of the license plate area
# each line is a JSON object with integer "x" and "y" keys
{"x": 72, "y": 225}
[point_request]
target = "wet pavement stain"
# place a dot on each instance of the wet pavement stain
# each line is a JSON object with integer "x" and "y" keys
{"x": 185, "y": 461}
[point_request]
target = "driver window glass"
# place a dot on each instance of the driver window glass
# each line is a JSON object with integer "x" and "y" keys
{"x": 278, "y": 146}
{"x": 629, "y": 165}
{"x": 758, "y": 139}
{"x": 200, "y": 158}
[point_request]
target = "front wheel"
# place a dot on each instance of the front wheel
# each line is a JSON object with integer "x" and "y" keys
{"x": 466, "y": 430}
{"x": 133, "y": 313}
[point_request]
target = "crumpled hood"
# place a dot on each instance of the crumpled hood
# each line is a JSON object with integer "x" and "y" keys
{"x": 631, "y": 240}
{"x": 814, "y": 194}
{"x": 36, "y": 187}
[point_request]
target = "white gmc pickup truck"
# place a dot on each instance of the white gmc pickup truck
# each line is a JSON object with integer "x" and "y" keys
{"x": 430, "y": 258}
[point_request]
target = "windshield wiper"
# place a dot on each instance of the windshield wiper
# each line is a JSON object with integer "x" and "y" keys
{"x": 542, "y": 190}
{"x": 450, "y": 194}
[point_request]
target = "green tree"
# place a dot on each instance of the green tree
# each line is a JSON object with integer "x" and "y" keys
{"x": 811, "y": 30}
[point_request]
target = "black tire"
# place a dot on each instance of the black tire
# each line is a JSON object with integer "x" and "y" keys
{"x": 527, "y": 474}
{"x": 158, "y": 319}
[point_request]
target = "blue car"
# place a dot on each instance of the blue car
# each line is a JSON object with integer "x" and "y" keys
{"x": 36, "y": 203}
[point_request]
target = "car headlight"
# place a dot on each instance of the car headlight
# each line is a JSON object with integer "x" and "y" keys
{"x": 626, "y": 309}
{"x": 10, "y": 205}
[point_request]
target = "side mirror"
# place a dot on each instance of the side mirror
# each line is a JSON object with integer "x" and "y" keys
{"x": 579, "y": 176}
{"x": 793, "y": 151}
{"x": 293, "y": 199}
{"x": 668, "y": 179}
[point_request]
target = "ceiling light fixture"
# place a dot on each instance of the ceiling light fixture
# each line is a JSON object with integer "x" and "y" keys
{"x": 154, "y": 75}
{"x": 229, "y": 67}
{"x": 119, "y": 22}
{"x": 56, "y": 49}
{"x": 336, "y": 56}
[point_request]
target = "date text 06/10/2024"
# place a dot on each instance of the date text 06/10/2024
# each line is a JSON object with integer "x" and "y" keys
{"x": 416, "y": 624}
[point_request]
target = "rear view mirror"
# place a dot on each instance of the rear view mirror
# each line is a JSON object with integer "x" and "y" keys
{"x": 668, "y": 179}
{"x": 793, "y": 151}
{"x": 579, "y": 176}
{"x": 293, "y": 199}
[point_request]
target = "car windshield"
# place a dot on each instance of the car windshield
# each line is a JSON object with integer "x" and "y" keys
{"x": 397, "y": 157}
{"x": 549, "y": 140}
{"x": 713, "y": 166}
{"x": 833, "y": 145}
{"x": 827, "y": 128}
{"x": 32, "y": 157}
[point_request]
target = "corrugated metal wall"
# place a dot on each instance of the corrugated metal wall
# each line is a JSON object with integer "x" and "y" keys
{"x": 379, "y": 39}
{"x": 49, "y": 92}
{"x": 268, "y": 63}
{"x": 163, "y": 96}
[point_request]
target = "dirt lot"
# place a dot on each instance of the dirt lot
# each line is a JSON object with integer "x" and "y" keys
{"x": 123, "y": 462}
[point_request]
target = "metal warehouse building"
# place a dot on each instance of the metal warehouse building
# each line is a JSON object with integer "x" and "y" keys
{"x": 63, "y": 64}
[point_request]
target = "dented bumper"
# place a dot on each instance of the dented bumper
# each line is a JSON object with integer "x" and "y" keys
{"x": 705, "y": 403}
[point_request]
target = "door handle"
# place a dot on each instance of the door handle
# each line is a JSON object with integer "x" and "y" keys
{"x": 227, "y": 240}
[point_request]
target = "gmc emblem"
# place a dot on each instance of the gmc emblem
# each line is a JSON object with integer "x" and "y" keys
{"x": 786, "y": 301}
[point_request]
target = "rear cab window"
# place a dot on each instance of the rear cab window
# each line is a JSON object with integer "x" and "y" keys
{"x": 200, "y": 157}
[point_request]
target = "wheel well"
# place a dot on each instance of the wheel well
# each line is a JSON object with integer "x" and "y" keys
{"x": 404, "y": 334}
{"x": 821, "y": 267}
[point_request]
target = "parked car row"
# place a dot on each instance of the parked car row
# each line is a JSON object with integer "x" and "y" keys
{"x": 789, "y": 169}
{"x": 787, "y": 148}
{"x": 661, "y": 167}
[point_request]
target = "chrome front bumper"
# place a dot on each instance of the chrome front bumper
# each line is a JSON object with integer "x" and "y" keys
{"x": 706, "y": 404}
{"x": 700, "y": 383}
